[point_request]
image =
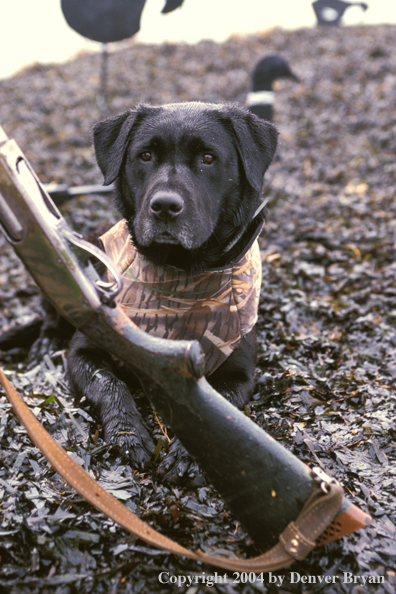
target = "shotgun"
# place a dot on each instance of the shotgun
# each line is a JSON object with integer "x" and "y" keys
{"x": 61, "y": 193}
{"x": 264, "y": 485}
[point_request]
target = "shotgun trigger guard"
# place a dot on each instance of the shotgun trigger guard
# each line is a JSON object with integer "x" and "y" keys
{"x": 85, "y": 252}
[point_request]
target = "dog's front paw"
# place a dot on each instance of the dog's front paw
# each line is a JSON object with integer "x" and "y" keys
{"x": 137, "y": 445}
{"x": 178, "y": 468}
{"x": 124, "y": 425}
{"x": 131, "y": 434}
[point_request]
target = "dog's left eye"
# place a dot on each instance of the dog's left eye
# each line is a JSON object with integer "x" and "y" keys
{"x": 208, "y": 158}
{"x": 146, "y": 156}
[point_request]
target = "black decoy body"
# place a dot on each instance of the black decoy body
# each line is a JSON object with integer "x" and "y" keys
{"x": 329, "y": 12}
{"x": 270, "y": 68}
{"x": 104, "y": 20}
{"x": 108, "y": 20}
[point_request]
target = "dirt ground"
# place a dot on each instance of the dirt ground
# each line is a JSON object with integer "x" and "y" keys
{"x": 326, "y": 373}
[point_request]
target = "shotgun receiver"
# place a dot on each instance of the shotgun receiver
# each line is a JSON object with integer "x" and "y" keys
{"x": 264, "y": 485}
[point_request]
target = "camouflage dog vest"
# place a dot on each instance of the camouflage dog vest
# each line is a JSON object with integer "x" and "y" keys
{"x": 216, "y": 307}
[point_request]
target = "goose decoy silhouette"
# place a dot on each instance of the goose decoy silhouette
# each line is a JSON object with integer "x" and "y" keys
{"x": 270, "y": 68}
{"x": 107, "y": 21}
{"x": 329, "y": 12}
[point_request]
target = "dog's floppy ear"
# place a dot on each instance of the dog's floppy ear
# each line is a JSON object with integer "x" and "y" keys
{"x": 256, "y": 143}
{"x": 110, "y": 138}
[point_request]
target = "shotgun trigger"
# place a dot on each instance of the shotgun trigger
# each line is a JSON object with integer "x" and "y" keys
{"x": 85, "y": 253}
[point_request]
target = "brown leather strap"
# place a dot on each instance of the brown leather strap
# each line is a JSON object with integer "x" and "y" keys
{"x": 296, "y": 541}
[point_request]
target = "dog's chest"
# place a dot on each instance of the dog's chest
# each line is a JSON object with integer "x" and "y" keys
{"x": 216, "y": 307}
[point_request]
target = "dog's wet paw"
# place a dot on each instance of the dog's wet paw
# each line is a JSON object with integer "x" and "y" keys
{"x": 134, "y": 440}
{"x": 178, "y": 468}
{"x": 139, "y": 448}
{"x": 124, "y": 425}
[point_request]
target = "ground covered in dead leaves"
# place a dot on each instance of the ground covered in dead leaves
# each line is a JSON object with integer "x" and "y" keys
{"x": 326, "y": 374}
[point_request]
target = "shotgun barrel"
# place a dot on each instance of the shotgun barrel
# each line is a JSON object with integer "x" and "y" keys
{"x": 61, "y": 193}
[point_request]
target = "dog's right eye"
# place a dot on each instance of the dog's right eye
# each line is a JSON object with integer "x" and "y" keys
{"x": 146, "y": 156}
{"x": 208, "y": 158}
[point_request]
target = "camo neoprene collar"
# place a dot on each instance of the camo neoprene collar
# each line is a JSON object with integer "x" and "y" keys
{"x": 216, "y": 307}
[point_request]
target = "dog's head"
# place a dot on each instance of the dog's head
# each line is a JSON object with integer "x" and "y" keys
{"x": 188, "y": 177}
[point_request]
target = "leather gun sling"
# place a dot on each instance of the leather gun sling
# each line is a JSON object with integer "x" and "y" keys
{"x": 296, "y": 541}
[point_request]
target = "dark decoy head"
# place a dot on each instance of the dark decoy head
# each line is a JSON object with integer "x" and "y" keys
{"x": 269, "y": 69}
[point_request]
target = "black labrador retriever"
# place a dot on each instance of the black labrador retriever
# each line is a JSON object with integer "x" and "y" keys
{"x": 188, "y": 180}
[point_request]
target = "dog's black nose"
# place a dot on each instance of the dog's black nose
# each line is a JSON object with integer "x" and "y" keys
{"x": 166, "y": 205}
